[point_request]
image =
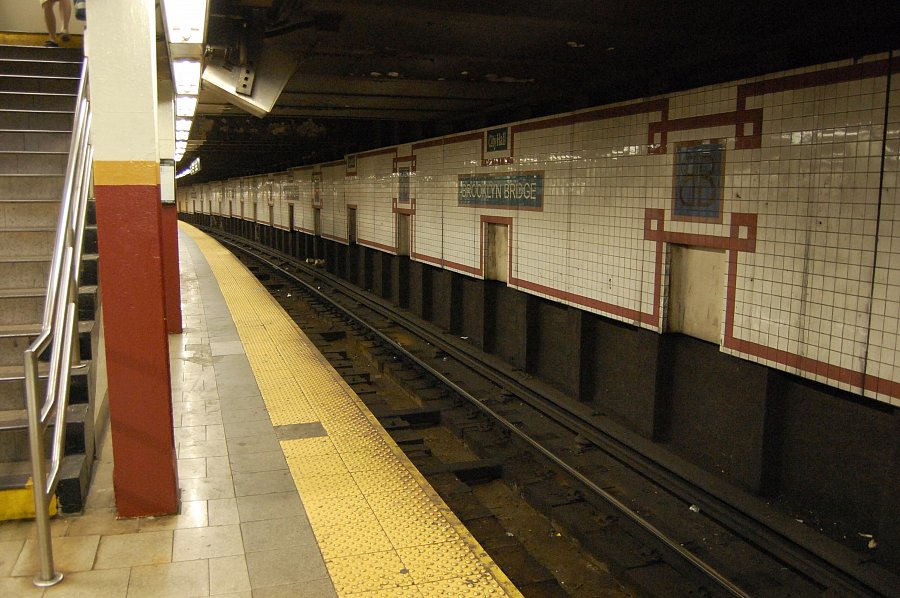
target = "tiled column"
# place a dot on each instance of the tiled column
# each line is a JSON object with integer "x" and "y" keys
{"x": 171, "y": 276}
{"x": 122, "y": 48}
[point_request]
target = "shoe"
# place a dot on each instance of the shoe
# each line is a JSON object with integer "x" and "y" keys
{"x": 64, "y": 37}
{"x": 50, "y": 44}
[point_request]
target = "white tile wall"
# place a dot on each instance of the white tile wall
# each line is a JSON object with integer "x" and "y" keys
{"x": 819, "y": 296}
{"x": 428, "y": 238}
{"x": 373, "y": 195}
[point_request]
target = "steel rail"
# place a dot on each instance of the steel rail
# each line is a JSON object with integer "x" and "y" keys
{"x": 671, "y": 544}
{"x": 757, "y": 532}
{"x": 58, "y": 333}
{"x": 806, "y": 560}
{"x": 766, "y": 538}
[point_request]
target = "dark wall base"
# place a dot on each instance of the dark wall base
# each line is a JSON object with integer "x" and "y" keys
{"x": 813, "y": 448}
{"x": 838, "y": 452}
{"x": 620, "y": 366}
{"x": 471, "y": 313}
{"x": 506, "y": 325}
{"x": 554, "y": 347}
{"x": 713, "y": 408}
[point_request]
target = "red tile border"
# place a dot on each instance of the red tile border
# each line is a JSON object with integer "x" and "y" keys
{"x": 334, "y": 238}
{"x": 377, "y": 152}
{"x": 374, "y": 245}
{"x": 809, "y": 365}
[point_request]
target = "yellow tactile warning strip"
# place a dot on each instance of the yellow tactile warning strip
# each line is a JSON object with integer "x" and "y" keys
{"x": 382, "y": 529}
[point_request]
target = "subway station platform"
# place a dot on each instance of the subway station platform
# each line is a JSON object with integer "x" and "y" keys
{"x": 289, "y": 486}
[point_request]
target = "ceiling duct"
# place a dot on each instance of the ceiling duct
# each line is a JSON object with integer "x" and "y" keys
{"x": 242, "y": 68}
{"x": 254, "y": 86}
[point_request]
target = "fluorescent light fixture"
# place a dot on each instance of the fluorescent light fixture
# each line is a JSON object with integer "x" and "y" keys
{"x": 182, "y": 124}
{"x": 185, "y": 106}
{"x": 182, "y": 135}
{"x": 194, "y": 168}
{"x": 186, "y": 20}
{"x": 187, "y": 77}
{"x": 180, "y": 146}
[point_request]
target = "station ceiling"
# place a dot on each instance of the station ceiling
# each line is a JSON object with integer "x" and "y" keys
{"x": 380, "y": 72}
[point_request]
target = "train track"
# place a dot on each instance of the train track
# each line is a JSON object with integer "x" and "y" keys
{"x": 657, "y": 531}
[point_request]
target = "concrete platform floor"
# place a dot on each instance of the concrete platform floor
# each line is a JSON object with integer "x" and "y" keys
{"x": 377, "y": 529}
{"x": 242, "y": 530}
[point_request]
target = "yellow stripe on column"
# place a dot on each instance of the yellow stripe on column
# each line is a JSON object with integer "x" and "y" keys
{"x": 126, "y": 172}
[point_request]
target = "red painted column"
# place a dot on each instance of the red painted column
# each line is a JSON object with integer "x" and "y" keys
{"x": 140, "y": 407}
{"x": 121, "y": 48}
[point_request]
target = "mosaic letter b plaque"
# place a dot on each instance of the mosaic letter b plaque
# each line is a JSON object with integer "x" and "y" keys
{"x": 698, "y": 182}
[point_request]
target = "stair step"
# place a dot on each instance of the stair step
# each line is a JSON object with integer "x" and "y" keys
{"x": 21, "y": 306}
{"x": 13, "y": 419}
{"x": 37, "y": 100}
{"x": 40, "y": 53}
{"x": 39, "y": 68}
{"x": 24, "y": 306}
{"x": 33, "y": 162}
{"x": 12, "y": 345}
{"x": 35, "y": 240}
{"x": 14, "y": 433}
{"x": 13, "y": 293}
{"x": 24, "y": 272}
{"x": 16, "y": 213}
{"x": 36, "y": 120}
{"x": 11, "y": 473}
{"x": 30, "y": 241}
{"x": 17, "y": 499}
{"x": 35, "y": 141}
{"x": 45, "y": 186}
{"x": 12, "y": 384}
{"x": 33, "y": 271}
{"x": 4, "y": 152}
{"x": 16, "y": 373}
{"x": 15, "y": 338}
{"x": 38, "y": 85}
{"x": 33, "y": 101}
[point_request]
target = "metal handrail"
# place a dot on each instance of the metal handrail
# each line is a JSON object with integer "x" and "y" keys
{"x": 59, "y": 328}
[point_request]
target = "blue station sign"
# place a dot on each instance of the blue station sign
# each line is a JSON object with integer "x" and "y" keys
{"x": 517, "y": 190}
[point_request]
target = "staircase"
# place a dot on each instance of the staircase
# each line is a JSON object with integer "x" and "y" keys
{"x": 38, "y": 88}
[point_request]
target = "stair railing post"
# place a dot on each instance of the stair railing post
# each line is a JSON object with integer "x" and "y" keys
{"x": 58, "y": 332}
{"x": 47, "y": 575}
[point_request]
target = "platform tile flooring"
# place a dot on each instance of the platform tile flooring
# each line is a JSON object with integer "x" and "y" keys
{"x": 242, "y": 530}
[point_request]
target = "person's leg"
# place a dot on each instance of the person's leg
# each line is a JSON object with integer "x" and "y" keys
{"x": 49, "y": 20}
{"x": 65, "y": 11}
